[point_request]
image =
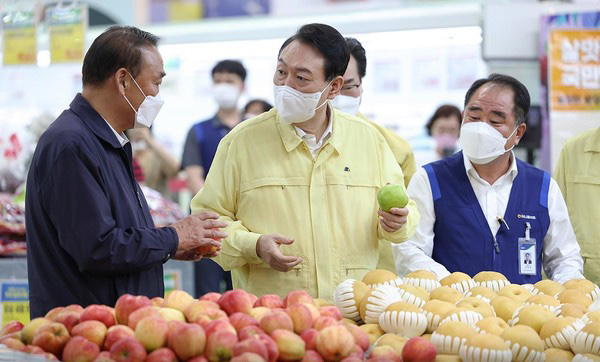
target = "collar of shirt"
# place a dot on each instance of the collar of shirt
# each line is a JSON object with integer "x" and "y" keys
{"x": 121, "y": 137}
{"x": 508, "y": 176}
{"x": 311, "y": 140}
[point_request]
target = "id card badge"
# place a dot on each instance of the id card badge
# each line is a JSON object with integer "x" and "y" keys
{"x": 527, "y": 256}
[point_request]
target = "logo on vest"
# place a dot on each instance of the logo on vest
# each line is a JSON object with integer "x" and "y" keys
{"x": 528, "y": 217}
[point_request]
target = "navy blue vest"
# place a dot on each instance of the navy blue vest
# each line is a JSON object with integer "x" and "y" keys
{"x": 463, "y": 240}
{"x": 208, "y": 134}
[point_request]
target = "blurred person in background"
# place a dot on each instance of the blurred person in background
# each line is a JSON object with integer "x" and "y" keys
{"x": 157, "y": 164}
{"x": 201, "y": 144}
{"x": 349, "y": 101}
{"x": 578, "y": 176}
{"x": 299, "y": 182}
{"x": 484, "y": 209}
{"x": 440, "y": 138}
{"x": 255, "y": 107}
{"x": 90, "y": 236}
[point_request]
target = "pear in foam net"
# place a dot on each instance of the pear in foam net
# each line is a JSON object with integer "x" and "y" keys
{"x": 549, "y": 287}
{"x": 547, "y": 301}
{"x": 557, "y": 332}
{"x": 490, "y": 279}
{"x": 570, "y": 310}
{"x": 449, "y": 337}
{"x": 347, "y": 297}
{"x": 377, "y": 277}
{"x": 446, "y": 294}
{"x": 404, "y": 319}
{"x": 587, "y": 340}
{"x": 533, "y": 316}
{"x": 587, "y": 357}
{"x": 465, "y": 315}
{"x": 485, "y": 348}
{"x": 555, "y": 354}
{"x": 378, "y": 299}
{"x": 482, "y": 292}
{"x": 574, "y": 296}
{"x": 459, "y": 281}
{"x": 413, "y": 295}
{"x": 524, "y": 343}
{"x": 593, "y": 316}
{"x": 422, "y": 278}
{"x": 478, "y": 305}
{"x": 531, "y": 289}
{"x": 589, "y": 288}
{"x": 434, "y": 310}
{"x": 491, "y": 325}
{"x": 515, "y": 292}
{"x": 505, "y": 307}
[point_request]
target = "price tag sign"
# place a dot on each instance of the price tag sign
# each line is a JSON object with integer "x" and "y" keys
{"x": 67, "y": 27}
{"x": 14, "y": 298}
{"x": 19, "y": 38}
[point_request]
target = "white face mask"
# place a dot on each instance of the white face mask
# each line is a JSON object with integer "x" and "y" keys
{"x": 346, "y": 103}
{"x": 482, "y": 143}
{"x": 148, "y": 110}
{"x": 226, "y": 95}
{"x": 294, "y": 106}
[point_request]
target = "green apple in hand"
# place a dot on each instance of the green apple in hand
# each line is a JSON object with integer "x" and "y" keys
{"x": 392, "y": 195}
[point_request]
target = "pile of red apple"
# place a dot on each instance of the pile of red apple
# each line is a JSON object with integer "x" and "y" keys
{"x": 234, "y": 326}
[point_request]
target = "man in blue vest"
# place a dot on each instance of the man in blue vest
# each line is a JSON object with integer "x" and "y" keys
{"x": 228, "y": 78}
{"x": 482, "y": 209}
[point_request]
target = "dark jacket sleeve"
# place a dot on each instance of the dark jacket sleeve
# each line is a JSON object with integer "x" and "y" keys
{"x": 78, "y": 208}
{"x": 191, "y": 151}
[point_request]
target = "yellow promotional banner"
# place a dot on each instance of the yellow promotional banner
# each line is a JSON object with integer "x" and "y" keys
{"x": 67, "y": 27}
{"x": 574, "y": 61}
{"x": 14, "y": 297}
{"x": 19, "y": 38}
{"x": 185, "y": 10}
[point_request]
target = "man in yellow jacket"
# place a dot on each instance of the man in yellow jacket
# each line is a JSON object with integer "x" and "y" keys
{"x": 298, "y": 184}
{"x": 578, "y": 176}
{"x": 349, "y": 101}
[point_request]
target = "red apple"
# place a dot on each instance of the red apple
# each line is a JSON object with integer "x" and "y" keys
{"x": 418, "y": 349}
{"x": 312, "y": 356}
{"x": 301, "y": 317}
{"x": 219, "y": 345}
{"x": 188, "y": 341}
{"x": 100, "y": 313}
{"x": 310, "y": 338}
{"x": 331, "y": 311}
{"x": 271, "y": 347}
{"x": 127, "y": 304}
{"x": 219, "y": 325}
{"x": 198, "y": 307}
{"x": 13, "y": 343}
{"x": 259, "y": 312}
{"x": 143, "y": 312}
{"x": 253, "y": 345}
{"x": 323, "y": 322}
{"x": 248, "y": 357}
{"x": 79, "y": 349}
{"x": 52, "y": 313}
{"x": 208, "y": 316}
{"x": 178, "y": 299}
{"x": 174, "y": 325}
{"x": 211, "y": 297}
{"x": 357, "y": 352}
{"x": 128, "y": 349}
{"x": 152, "y": 332}
{"x": 253, "y": 298}
{"x": 361, "y": 338}
{"x": 291, "y": 346}
{"x": 385, "y": 353}
{"x": 31, "y": 328}
{"x": 277, "y": 319}
{"x": 116, "y": 333}
{"x": 162, "y": 355}
{"x": 236, "y": 300}
{"x": 52, "y": 338}
{"x": 269, "y": 301}
{"x": 335, "y": 343}
{"x": 11, "y": 327}
{"x": 104, "y": 356}
{"x": 249, "y": 331}
{"x": 92, "y": 330}
{"x": 198, "y": 359}
{"x": 241, "y": 320}
{"x": 69, "y": 318}
{"x": 297, "y": 296}
{"x": 31, "y": 349}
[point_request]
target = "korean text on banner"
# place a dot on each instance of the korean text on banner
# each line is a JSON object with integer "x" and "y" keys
{"x": 574, "y": 69}
{"x": 67, "y": 33}
{"x": 14, "y": 298}
{"x": 19, "y": 38}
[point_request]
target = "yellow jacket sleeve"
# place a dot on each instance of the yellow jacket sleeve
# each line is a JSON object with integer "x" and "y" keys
{"x": 392, "y": 173}
{"x": 560, "y": 172}
{"x": 220, "y": 194}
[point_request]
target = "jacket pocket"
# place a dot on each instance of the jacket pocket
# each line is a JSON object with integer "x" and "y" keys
{"x": 356, "y": 265}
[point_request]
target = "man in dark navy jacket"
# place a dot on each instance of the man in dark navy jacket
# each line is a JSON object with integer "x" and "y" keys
{"x": 482, "y": 209}
{"x": 89, "y": 231}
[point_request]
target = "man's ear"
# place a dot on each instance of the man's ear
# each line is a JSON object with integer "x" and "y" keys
{"x": 336, "y": 87}
{"x": 520, "y": 132}
{"x": 122, "y": 80}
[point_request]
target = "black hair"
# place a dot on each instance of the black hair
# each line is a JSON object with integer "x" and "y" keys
{"x": 446, "y": 110}
{"x": 521, "y": 97}
{"x": 230, "y": 66}
{"x": 328, "y": 42}
{"x": 358, "y": 52}
{"x": 264, "y": 104}
{"x": 118, "y": 47}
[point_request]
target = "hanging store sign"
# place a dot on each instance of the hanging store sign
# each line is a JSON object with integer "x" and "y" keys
{"x": 67, "y": 27}
{"x": 19, "y": 38}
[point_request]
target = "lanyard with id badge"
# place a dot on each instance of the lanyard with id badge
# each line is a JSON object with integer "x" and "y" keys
{"x": 527, "y": 253}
